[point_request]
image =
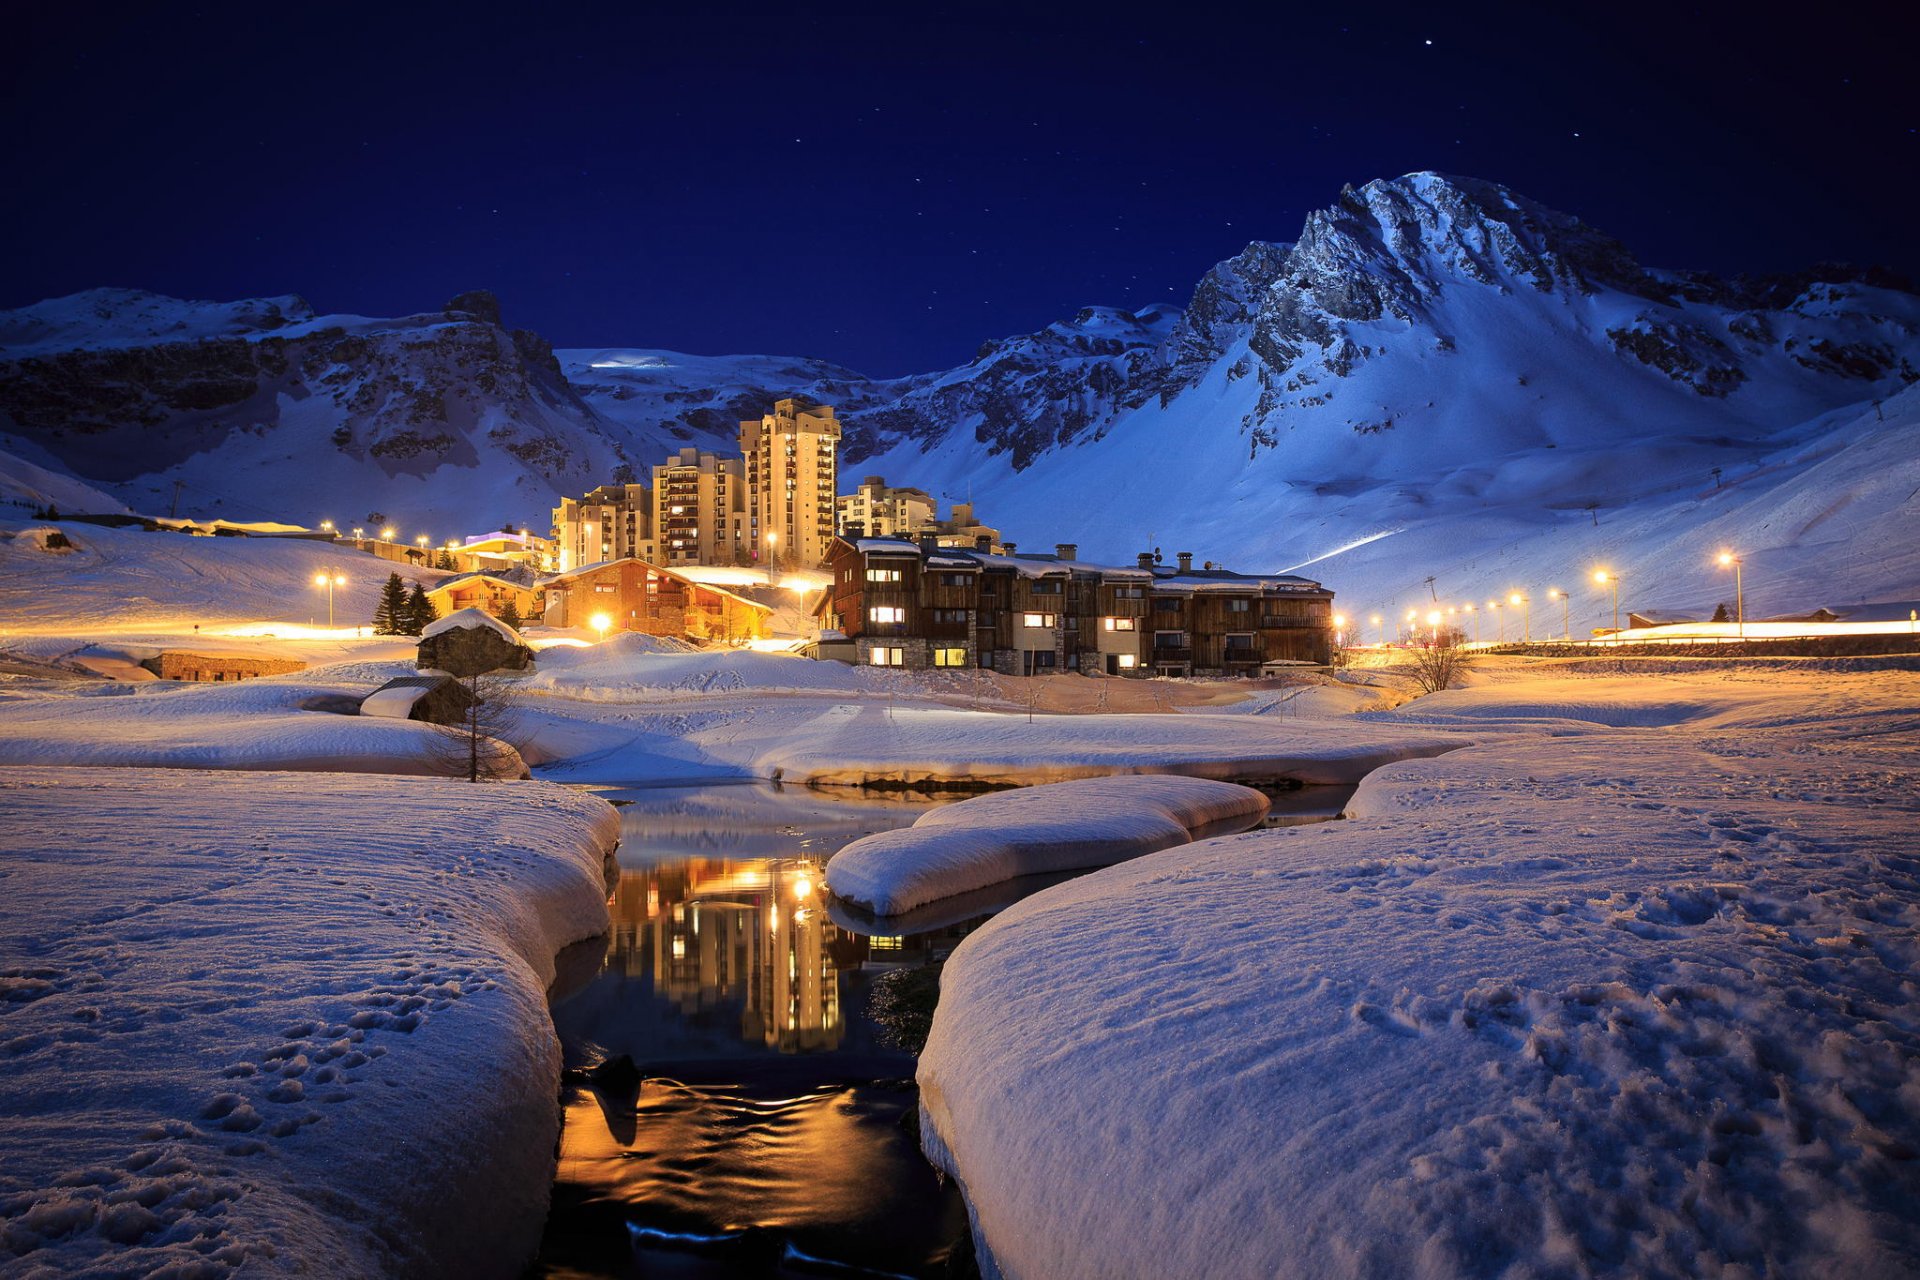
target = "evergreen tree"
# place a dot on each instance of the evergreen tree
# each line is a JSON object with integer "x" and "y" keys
{"x": 1720, "y": 613}
{"x": 510, "y": 614}
{"x": 446, "y": 560}
{"x": 420, "y": 613}
{"x": 391, "y": 613}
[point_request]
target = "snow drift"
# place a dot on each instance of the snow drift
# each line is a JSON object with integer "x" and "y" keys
{"x": 980, "y": 842}
{"x": 257, "y": 1025}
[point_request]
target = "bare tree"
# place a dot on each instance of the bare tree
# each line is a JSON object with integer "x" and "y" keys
{"x": 1437, "y": 666}
{"x": 481, "y": 744}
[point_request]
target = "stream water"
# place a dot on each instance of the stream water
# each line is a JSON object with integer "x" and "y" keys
{"x": 766, "y": 1126}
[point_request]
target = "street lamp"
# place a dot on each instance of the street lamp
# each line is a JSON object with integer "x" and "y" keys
{"x": 330, "y": 581}
{"x": 387, "y": 533}
{"x": 773, "y": 550}
{"x": 1566, "y": 613}
{"x": 1494, "y": 607}
{"x": 1476, "y": 622}
{"x": 1739, "y": 591}
{"x": 1413, "y": 622}
{"x": 600, "y": 622}
{"x": 421, "y": 540}
{"x": 1607, "y": 578}
{"x": 357, "y": 532}
{"x": 1381, "y": 623}
{"x": 1433, "y": 621}
{"x": 1521, "y": 602}
{"x": 1339, "y": 630}
{"x": 326, "y": 526}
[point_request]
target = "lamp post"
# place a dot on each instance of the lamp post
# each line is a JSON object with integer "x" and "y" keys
{"x": 330, "y": 581}
{"x": 326, "y": 526}
{"x": 1566, "y": 613}
{"x": 1339, "y": 630}
{"x": 1608, "y": 578}
{"x": 1413, "y": 623}
{"x": 1739, "y": 591}
{"x": 1476, "y": 622}
{"x": 1381, "y": 623}
{"x": 773, "y": 551}
{"x": 1433, "y": 624}
{"x": 1493, "y": 606}
{"x": 358, "y": 533}
{"x": 1521, "y": 601}
{"x": 600, "y": 622}
{"x": 387, "y": 533}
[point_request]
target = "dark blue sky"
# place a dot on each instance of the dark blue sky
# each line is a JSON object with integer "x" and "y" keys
{"x": 887, "y": 188}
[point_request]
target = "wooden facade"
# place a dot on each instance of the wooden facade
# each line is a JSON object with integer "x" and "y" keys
{"x": 490, "y": 593}
{"x": 633, "y": 595}
{"x": 912, "y": 604}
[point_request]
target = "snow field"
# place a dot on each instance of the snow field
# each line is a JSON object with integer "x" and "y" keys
{"x": 977, "y": 843}
{"x": 282, "y": 1024}
{"x": 1627, "y": 1002}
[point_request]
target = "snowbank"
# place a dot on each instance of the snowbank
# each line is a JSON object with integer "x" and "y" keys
{"x": 282, "y": 1024}
{"x": 1631, "y": 1002}
{"x": 254, "y": 724}
{"x": 962, "y": 847}
{"x": 465, "y": 618}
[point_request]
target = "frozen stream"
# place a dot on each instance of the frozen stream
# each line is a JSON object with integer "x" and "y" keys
{"x": 765, "y": 1128}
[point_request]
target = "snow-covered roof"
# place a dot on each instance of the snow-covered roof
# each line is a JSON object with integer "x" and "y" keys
{"x": 663, "y": 572}
{"x": 465, "y": 619}
{"x": 394, "y": 700}
{"x": 1224, "y": 581}
{"x": 461, "y": 578}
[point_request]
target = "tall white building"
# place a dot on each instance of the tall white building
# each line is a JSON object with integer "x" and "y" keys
{"x": 792, "y": 474}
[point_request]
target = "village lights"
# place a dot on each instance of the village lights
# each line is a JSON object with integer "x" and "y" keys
{"x": 326, "y": 526}
{"x": 421, "y": 540}
{"x": 1606, "y": 577}
{"x": 1520, "y": 601}
{"x": 600, "y": 622}
{"x": 802, "y": 887}
{"x": 387, "y": 533}
{"x": 330, "y": 581}
{"x": 1739, "y": 590}
{"x": 1566, "y": 614}
{"x": 1339, "y": 630}
{"x": 1381, "y": 623}
{"x": 357, "y": 532}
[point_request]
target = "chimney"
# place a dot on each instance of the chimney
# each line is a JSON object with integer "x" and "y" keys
{"x": 983, "y": 542}
{"x": 853, "y": 530}
{"x": 929, "y": 541}
{"x": 1007, "y": 547}
{"x": 1146, "y": 559}
{"x": 1066, "y": 550}
{"x": 1186, "y": 561}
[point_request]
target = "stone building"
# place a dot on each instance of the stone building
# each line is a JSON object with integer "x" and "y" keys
{"x": 176, "y": 664}
{"x": 792, "y": 478}
{"x": 472, "y": 642}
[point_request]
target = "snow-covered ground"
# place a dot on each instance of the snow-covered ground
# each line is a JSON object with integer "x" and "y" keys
{"x": 1065, "y": 826}
{"x": 1632, "y": 1000}
{"x": 282, "y": 1024}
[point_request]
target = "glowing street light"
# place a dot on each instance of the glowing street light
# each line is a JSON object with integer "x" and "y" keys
{"x": 330, "y": 581}
{"x": 1381, "y": 623}
{"x": 1339, "y": 630}
{"x": 1566, "y": 613}
{"x": 1433, "y": 621}
{"x": 1520, "y": 601}
{"x": 388, "y": 532}
{"x": 357, "y": 532}
{"x": 600, "y": 622}
{"x": 1739, "y": 592}
{"x": 326, "y": 526}
{"x": 421, "y": 540}
{"x": 1493, "y": 606}
{"x": 1476, "y": 622}
{"x": 1608, "y": 578}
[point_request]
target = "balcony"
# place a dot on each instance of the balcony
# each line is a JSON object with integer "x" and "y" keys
{"x": 1272, "y": 622}
{"x": 1171, "y": 653}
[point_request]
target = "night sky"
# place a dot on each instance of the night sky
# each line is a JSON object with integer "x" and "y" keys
{"x": 886, "y": 189}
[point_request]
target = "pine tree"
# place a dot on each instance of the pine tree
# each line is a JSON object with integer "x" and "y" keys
{"x": 420, "y": 613}
{"x": 1721, "y": 613}
{"x": 510, "y": 613}
{"x": 391, "y": 613}
{"x": 445, "y": 561}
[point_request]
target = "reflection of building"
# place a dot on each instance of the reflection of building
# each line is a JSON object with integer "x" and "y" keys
{"x": 751, "y": 934}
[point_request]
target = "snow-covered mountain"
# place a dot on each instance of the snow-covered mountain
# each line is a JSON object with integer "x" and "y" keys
{"x": 1438, "y": 377}
{"x": 265, "y": 410}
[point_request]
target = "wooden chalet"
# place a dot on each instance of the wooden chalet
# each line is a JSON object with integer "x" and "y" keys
{"x": 916, "y": 604}
{"x": 634, "y": 595}
{"x": 490, "y": 593}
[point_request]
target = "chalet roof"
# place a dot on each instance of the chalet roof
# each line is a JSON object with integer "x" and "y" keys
{"x": 394, "y": 700}
{"x": 1227, "y": 582}
{"x": 1039, "y": 565}
{"x": 522, "y": 582}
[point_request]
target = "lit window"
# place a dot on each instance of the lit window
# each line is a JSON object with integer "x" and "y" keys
{"x": 1119, "y": 624}
{"x": 949, "y": 657}
{"x": 886, "y": 613}
{"x": 883, "y": 575}
{"x": 1037, "y": 619}
{"x": 886, "y": 656}
{"x": 1127, "y": 662}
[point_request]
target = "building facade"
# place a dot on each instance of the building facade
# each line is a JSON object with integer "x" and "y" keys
{"x": 610, "y": 523}
{"x": 880, "y": 510}
{"x": 631, "y": 594}
{"x": 700, "y": 509}
{"x": 791, "y": 458}
{"x": 491, "y": 593}
{"x": 916, "y": 604}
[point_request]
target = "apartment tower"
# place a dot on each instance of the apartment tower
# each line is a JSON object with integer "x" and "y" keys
{"x": 791, "y": 461}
